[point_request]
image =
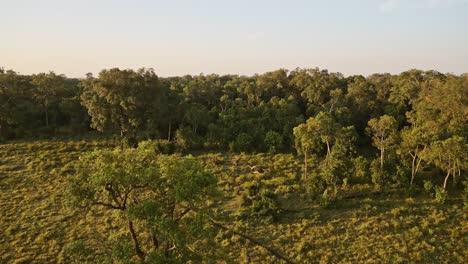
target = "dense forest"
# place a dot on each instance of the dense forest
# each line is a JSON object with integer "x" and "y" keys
{"x": 186, "y": 161}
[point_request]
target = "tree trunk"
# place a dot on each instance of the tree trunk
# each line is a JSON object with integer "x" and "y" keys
{"x": 47, "y": 116}
{"x": 446, "y": 180}
{"x": 305, "y": 165}
{"x": 169, "y": 131}
{"x": 413, "y": 168}
{"x": 136, "y": 243}
{"x": 382, "y": 153}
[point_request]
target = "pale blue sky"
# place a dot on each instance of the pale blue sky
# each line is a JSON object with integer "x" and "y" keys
{"x": 177, "y": 37}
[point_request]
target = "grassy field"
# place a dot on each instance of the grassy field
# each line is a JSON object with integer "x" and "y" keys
{"x": 364, "y": 227}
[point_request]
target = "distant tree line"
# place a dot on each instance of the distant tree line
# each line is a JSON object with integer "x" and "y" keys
{"x": 414, "y": 119}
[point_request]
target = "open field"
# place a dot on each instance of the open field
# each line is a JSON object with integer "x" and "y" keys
{"x": 372, "y": 227}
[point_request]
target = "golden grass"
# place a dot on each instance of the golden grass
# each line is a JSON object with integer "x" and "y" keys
{"x": 36, "y": 225}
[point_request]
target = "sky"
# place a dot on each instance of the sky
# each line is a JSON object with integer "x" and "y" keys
{"x": 177, "y": 37}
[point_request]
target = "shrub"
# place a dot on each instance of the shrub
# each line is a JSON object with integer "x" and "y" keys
{"x": 273, "y": 141}
{"x": 261, "y": 204}
{"x": 160, "y": 146}
{"x": 243, "y": 142}
{"x": 403, "y": 175}
{"x": 316, "y": 186}
{"x": 328, "y": 197}
{"x": 440, "y": 195}
{"x": 377, "y": 174}
{"x": 361, "y": 168}
{"x": 76, "y": 252}
{"x": 428, "y": 186}
{"x": 184, "y": 139}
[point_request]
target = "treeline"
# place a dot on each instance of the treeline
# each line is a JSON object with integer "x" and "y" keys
{"x": 401, "y": 115}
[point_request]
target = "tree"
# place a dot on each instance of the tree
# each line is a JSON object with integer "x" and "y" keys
{"x": 361, "y": 96}
{"x": 450, "y": 156}
{"x": 414, "y": 142}
{"x": 47, "y": 89}
{"x": 305, "y": 143}
{"x": 8, "y": 99}
{"x": 319, "y": 88}
{"x": 121, "y": 99}
{"x": 163, "y": 199}
{"x": 318, "y": 130}
{"x": 384, "y": 134}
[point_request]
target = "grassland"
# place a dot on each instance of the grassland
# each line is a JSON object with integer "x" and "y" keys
{"x": 365, "y": 226}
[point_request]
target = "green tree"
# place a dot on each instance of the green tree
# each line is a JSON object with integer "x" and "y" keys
{"x": 121, "y": 99}
{"x": 316, "y": 134}
{"x": 384, "y": 134}
{"x": 48, "y": 87}
{"x": 450, "y": 156}
{"x": 414, "y": 141}
{"x": 163, "y": 199}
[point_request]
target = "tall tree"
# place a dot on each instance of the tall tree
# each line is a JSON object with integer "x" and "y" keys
{"x": 310, "y": 136}
{"x": 120, "y": 99}
{"x": 384, "y": 134}
{"x": 48, "y": 87}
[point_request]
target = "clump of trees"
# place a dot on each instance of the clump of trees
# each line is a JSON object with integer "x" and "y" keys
{"x": 399, "y": 124}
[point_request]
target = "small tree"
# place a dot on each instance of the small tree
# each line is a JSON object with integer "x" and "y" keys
{"x": 305, "y": 143}
{"x": 322, "y": 132}
{"x": 450, "y": 156}
{"x": 414, "y": 141}
{"x": 162, "y": 198}
{"x": 384, "y": 134}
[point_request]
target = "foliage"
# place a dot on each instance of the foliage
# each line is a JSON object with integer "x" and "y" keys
{"x": 160, "y": 146}
{"x": 163, "y": 195}
{"x": 274, "y": 141}
{"x": 361, "y": 168}
{"x": 243, "y": 142}
{"x": 440, "y": 195}
{"x": 184, "y": 139}
{"x": 260, "y": 203}
{"x": 428, "y": 186}
{"x": 120, "y": 99}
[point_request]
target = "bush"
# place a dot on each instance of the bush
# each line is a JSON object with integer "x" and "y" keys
{"x": 243, "y": 142}
{"x": 428, "y": 186}
{"x": 403, "y": 176}
{"x": 361, "y": 168}
{"x": 377, "y": 174}
{"x": 273, "y": 141}
{"x": 160, "y": 146}
{"x": 316, "y": 186}
{"x": 328, "y": 197}
{"x": 440, "y": 195}
{"x": 184, "y": 139}
{"x": 76, "y": 252}
{"x": 164, "y": 146}
{"x": 261, "y": 204}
